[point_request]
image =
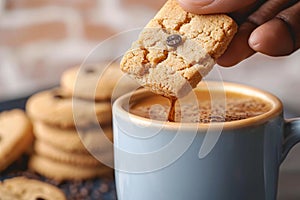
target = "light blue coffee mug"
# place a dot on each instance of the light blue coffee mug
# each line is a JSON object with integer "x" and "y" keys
{"x": 157, "y": 160}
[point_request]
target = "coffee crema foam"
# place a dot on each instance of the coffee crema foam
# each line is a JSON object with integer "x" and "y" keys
{"x": 232, "y": 108}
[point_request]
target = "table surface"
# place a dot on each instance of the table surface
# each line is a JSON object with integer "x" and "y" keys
{"x": 289, "y": 177}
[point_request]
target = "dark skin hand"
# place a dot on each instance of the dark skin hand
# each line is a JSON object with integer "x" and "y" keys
{"x": 271, "y": 27}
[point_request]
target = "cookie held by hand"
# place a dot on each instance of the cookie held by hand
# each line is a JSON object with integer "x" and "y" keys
{"x": 176, "y": 49}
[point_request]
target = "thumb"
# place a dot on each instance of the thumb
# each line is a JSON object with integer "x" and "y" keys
{"x": 214, "y": 6}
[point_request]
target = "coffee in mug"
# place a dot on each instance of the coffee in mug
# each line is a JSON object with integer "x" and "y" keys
{"x": 234, "y": 107}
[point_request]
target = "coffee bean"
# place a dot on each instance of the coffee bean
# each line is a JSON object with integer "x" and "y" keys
{"x": 103, "y": 188}
{"x": 84, "y": 191}
{"x": 96, "y": 194}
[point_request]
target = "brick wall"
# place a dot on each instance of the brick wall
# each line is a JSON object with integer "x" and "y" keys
{"x": 41, "y": 38}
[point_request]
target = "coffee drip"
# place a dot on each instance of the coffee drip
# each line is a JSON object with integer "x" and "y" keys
{"x": 172, "y": 110}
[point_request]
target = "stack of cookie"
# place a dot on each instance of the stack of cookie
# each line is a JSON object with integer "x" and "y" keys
{"x": 72, "y": 124}
{"x": 16, "y": 138}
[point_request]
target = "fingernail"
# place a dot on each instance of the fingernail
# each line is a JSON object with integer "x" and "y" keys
{"x": 254, "y": 41}
{"x": 198, "y": 3}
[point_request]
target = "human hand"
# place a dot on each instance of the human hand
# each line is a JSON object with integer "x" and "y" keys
{"x": 271, "y": 27}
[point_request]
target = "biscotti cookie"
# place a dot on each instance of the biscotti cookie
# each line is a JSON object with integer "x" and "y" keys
{"x": 15, "y": 136}
{"x": 46, "y": 150}
{"x": 100, "y": 82}
{"x": 21, "y": 188}
{"x": 176, "y": 49}
{"x": 55, "y": 107}
{"x": 75, "y": 141}
{"x": 62, "y": 171}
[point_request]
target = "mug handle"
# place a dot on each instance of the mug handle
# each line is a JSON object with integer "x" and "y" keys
{"x": 291, "y": 136}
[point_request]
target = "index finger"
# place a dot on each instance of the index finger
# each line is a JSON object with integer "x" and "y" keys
{"x": 214, "y": 6}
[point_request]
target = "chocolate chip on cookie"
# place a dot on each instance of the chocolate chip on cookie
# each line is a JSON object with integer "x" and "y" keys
{"x": 89, "y": 70}
{"x": 174, "y": 40}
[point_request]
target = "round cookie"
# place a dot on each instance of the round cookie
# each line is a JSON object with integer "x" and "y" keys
{"x": 100, "y": 82}
{"x": 91, "y": 139}
{"x": 15, "y": 136}
{"x": 45, "y": 150}
{"x": 57, "y": 108}
{"x": 21, "y": 188}
{"x": 63, "y": 171}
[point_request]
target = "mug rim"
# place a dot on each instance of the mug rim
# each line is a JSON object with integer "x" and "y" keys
{"x": 276, "y": 109}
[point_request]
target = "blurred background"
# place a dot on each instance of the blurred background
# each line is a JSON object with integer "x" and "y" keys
{"x": 39, "y": 39}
